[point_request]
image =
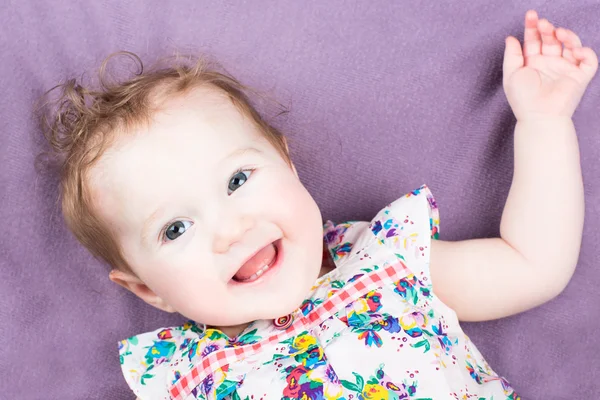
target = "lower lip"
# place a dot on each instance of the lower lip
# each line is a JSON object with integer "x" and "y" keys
{"x": 269, "y": 271}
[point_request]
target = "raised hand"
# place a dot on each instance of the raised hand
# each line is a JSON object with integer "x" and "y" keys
{"x": 548, "y": 76}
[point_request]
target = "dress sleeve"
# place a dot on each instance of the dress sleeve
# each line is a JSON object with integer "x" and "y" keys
{"x": 153, "y": 361}
{"x": 407, "y": 226}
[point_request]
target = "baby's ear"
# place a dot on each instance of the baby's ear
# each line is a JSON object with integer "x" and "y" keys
{"x": 135, "y": 285}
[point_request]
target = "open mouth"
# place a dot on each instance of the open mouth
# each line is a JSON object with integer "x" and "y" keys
{"x": 259, "y": 264}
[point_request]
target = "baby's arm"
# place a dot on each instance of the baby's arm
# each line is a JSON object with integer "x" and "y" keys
{"x": 542, "y": 221}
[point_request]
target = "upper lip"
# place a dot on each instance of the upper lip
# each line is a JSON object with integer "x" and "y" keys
{"x": 246, "y": 259}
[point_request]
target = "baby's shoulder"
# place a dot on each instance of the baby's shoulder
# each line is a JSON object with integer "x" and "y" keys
{"x": 151, "y": 361}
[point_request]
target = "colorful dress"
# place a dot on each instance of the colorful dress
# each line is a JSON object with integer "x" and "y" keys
{"x": 370, "y": 329}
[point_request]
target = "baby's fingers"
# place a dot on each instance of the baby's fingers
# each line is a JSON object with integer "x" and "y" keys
{"x": 588, "y": 60}
{"x": 570, "y": 40}
{"x": 513, "y": 57}
{"x": 550, "y": 44}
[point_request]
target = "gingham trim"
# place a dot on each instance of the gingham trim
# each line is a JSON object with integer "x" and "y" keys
{"x": 220, "y": 358}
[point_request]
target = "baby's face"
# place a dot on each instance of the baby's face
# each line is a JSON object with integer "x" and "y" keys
{"x": 193, "y": 196}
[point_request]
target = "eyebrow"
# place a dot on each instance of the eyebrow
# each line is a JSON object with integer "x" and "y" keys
{"x": 241, "y": 152}
{"x": 157, "y": 214}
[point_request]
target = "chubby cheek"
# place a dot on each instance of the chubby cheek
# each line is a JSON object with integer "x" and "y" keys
{"x": 294, "y": 209}
{"x": 180, "y": 280}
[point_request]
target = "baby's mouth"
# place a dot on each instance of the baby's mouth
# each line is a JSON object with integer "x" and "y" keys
{"x": 258, "y": 264}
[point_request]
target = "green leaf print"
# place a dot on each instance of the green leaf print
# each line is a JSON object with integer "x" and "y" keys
{"x": 422, "y": 343}
{"x": 144, "y": 377}
{"x": 249, "y": 337}
{"x": 359, "y": 381}
{"x": 235, "y": 396}
{"x": 400, "y": 256}
{"x": 415, "y": 296}
{"x": 337, "y": 284}
{"x": 121, "y": 359}
{"x": 373, "y": 381}
{"x": 349, "y": 385}
{"x": 133, "y": 340}
{"x": 425, "y": 331}
{"x": 354, "y": 387}
{"x": 226, "y": 388}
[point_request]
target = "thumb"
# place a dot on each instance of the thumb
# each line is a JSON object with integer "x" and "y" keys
{"x": 513, "y": 57}
{"x": 588, "y": 60}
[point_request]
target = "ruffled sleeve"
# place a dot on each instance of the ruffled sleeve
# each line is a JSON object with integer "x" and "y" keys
{"x": 407, "y": 227}
{"x": 153, "y": 361}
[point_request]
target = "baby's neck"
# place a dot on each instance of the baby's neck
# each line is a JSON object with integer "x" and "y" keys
{"x": 233, "y": 331}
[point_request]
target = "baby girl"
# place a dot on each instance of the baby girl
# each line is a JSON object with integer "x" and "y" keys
{"x": 175, "y": 181}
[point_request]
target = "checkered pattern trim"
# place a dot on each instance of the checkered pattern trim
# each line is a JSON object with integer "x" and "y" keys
{"x": 338, "y": 301}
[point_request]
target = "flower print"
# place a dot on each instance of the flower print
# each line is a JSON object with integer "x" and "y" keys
{"x": 186, "y": 342}
{"x": 207, "y": 346}
{"x": 176, "y": 376}
{"x": 390, "y": 324}
{"x": 480, "y": 375}
{"x": 341, "y": 250}
{"x": 309, "y": 304}
{"x": 357, "y": 313}
{"x": 311, "y": 391}
{"x": 442, "y": 337}
{"x": 373, "y": 300}
{"x": 249, "y": 337}
{"x": 375, "y": 392}
{"x": 390, "y": 226}
{"x": 160, "y": 351}
{"x": 311, "y": 358}
{"x": 360, "y": 306}
{"x": 413, "y": 323}
{"x": 210, "y": 384}
{"x": 411, "y": 388}
{"x": 165, "y": 334}
{"x": 294, "y": 380}
{"x": 405, "y": 287}
{"x": 204, "y": 346}
{"x": 381, "y": 378}
{"x": 370, "y": 337}
{"x": 303, "y": 342}
{"x": 335, "y": 233}
{"x": 435, "y": 231}
{"x": 355, "y": 277}
{"x": 332, "y": 388}
{"x": 376, "y": 227}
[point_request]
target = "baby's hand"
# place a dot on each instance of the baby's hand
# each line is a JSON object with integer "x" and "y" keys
{"x": 545, "y": 79}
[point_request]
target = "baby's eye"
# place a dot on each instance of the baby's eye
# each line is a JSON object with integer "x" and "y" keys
{"x": 176, "y": 229}
{"x": 237, "y": 180}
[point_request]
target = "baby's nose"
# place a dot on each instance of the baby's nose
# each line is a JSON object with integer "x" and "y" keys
{"x": 230, "y": 231}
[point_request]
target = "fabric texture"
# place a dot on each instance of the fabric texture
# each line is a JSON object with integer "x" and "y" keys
{"x": 372, "y": 328}
{"x": 382, "y": 97}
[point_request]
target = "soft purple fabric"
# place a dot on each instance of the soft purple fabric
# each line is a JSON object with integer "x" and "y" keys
{"x": 384, "y": 96}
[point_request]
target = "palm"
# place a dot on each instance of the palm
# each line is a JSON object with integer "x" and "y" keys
{"x": 544, "y": 78}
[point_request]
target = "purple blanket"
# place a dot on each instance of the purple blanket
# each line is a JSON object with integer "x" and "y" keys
{"x": 414, "y": 83}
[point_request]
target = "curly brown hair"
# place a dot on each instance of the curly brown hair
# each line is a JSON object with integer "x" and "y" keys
{"x": 82, "y": 122}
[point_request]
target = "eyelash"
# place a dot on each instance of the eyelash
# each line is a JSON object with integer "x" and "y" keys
{"x": 237, "y": 171}
{"x": 166, "y": 226}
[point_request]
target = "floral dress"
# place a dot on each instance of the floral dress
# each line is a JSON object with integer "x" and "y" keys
{"x": 370, "y": 329}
